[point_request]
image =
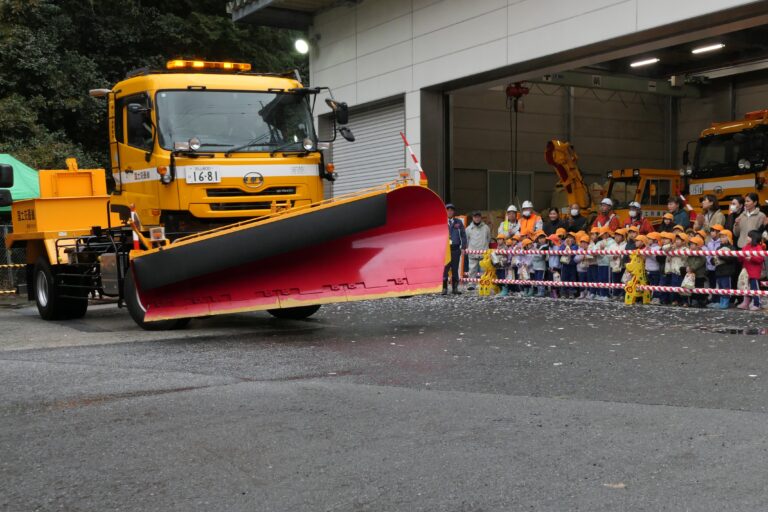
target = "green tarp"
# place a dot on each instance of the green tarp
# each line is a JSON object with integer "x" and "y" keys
{"x": 25, "y": 182}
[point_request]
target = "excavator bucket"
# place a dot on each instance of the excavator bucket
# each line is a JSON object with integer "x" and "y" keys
{"x": 390, "y": 242}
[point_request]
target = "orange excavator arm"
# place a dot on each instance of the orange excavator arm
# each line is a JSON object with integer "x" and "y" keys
{"x": 563, "y": 158}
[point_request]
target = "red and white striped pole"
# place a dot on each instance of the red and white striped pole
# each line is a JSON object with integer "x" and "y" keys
{"x": 135, "y": 225}
{"x": 422, "y": 175}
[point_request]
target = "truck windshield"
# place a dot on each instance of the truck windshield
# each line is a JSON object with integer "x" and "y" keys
{"x": 719, "y": 155}
{"x": 259, "y": 121}
{"x": 622, "y": 191}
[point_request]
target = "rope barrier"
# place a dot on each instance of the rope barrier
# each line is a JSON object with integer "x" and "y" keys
{"x": 621, "y": 252}
{"x": 620, "y": 286}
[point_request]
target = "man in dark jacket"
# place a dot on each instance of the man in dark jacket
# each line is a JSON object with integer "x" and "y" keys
{"x": 576, "y": 222}
{"x": 458, "y": 237}
{"x": 681, "y": 217}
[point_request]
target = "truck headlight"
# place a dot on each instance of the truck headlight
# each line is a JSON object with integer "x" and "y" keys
{"x": 745, "y": 164}
{"x": 308, "y": 144}
{"x": 194, "y": 144}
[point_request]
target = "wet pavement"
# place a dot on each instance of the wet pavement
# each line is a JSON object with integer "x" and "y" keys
{"x": 429, "y": 403}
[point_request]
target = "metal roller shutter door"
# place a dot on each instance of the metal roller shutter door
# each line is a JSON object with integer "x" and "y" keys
{"x": 376, "y": 154}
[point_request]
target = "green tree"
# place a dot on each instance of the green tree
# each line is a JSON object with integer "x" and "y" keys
{"x": 53, "y": 51}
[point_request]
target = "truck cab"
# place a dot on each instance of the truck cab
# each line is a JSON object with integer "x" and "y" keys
{"x": 201, "y": 144}
{"x": 729, "y": 160}
{"x": 652, "y": 188}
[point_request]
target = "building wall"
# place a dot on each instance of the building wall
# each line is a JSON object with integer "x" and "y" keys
{"x": 610, "y": 131}
{"x": 381, "y": 48}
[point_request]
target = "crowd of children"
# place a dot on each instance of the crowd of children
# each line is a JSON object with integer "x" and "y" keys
{"x": 720, "y": 272}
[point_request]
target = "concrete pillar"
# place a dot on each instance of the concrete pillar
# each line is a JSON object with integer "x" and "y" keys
{"x": 435, "y": 143}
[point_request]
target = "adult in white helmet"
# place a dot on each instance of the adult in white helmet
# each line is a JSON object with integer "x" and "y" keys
{"x": 530, "y": 221}
{"x": 510, "y": 226}
{"x": 607, "y": 217}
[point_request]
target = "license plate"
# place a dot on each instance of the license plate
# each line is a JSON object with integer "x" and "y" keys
{"x": 203, "y": 176}
{"x": 697, "y": 189}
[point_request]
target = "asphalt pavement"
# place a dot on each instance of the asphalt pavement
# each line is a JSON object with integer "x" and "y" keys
{"x": 422, "y": 404}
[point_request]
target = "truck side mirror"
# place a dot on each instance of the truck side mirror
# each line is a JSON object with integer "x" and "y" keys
{"x": 340, "y": 110}
{"x": 5, "y": 198}
{"x": 136, "y": 108}
{"x": 6, "y": 176}
{"x": 347, "y": 134}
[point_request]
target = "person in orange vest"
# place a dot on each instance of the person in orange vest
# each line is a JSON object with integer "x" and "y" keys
{"x": 529, "y": 222}
{"x": 606, "y": 217}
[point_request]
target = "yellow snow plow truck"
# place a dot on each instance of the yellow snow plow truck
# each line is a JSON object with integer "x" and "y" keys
{"x": 214, "y": 204}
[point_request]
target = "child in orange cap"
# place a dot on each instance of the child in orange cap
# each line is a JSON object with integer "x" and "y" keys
{"x": 617, "y": 262}
{"x": 594, "y": 239}
{"x": 652, "y": 264}
{"x": 568, "y": 265}
{"x": 539, "y": 261}
{"x": 667, "y": 244}
{"x": 604, "y": 261}
{"x": 553, "y": 262}
{"x": 667, "y": 223}
{"x": 697, "y": 265}
{"x": 582, "y": 266}
{"x": 676, "y": 267}
{"x": 524, "y": 266}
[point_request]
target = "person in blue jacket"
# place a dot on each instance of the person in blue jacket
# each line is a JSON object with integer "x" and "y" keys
{"x": 458, "y": 237}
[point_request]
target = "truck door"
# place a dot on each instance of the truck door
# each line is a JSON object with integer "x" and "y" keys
{"x": 137, "y": 179}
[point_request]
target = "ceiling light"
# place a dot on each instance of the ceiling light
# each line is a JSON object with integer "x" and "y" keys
{"x": 709, "y": 48}
{"x": 644, "y": 62}
{"x": 301, "y": 46}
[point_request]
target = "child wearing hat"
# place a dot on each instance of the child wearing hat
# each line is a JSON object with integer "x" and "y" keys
{"x": 582, "y": 265}
{"x": 568, "y": 265}
{"x": 652, "y": 266}
{"x": 524, "y": 262}
{"x": 539, "y": 261}
{"x": 617, "y": 262}
{"x": 594, "y": 238}
{"x": 725, "y": 268}
{"x": 712, "y": 243}
{"x": 553, "y": 262}
{"x": 676, "y": 266}
{"x": 697, "y": 265}
{"x": 500, "y": 262}
{"x": 667, "y": 244}
{"x": 606, "y": 242}
{"x": 667, "y": 223}
{"x": 754, "y": 267}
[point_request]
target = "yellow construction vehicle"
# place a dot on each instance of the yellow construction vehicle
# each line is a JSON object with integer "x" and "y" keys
{"x": 194, "y": 148}
{"x": 650, "y": 187}
{"x": 729, "y": 160}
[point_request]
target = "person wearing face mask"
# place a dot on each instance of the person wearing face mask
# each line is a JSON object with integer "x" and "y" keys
{"x": 734, "y": 210}
{"x": 576, "y": 222}
{"x": 478, "y": 239}
{"x": 530, "y": 222}
{"x": 637, "y": 220}
{"x": 750, "y": 219}
{"x": 681, "y": 217}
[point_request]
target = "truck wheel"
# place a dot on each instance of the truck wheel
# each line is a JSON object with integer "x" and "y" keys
{"x": 299, "y": 313}
{"x": 47, "y": 296}
{"x": 137, "y": 311}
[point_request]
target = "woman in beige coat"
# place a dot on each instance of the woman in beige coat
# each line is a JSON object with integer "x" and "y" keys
{"x": 751, "y": 218}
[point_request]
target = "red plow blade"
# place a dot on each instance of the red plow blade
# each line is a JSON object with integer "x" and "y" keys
{"x": 388, "y": 244}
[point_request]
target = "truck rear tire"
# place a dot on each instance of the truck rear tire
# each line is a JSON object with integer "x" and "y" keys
{"x": 137, "y": 311}
{"x": 298, "y": 313}
{"x": 50, "y": 304}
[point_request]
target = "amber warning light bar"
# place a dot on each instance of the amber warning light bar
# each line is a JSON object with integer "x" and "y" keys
{"x": 201, "y": 64}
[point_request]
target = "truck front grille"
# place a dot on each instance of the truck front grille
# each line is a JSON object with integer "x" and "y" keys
{"x": 236, "y": 192}
{"x": 224, "y": 207}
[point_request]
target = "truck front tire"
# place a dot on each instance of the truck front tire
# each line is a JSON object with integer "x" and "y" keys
{"x": 137, "y": 311}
